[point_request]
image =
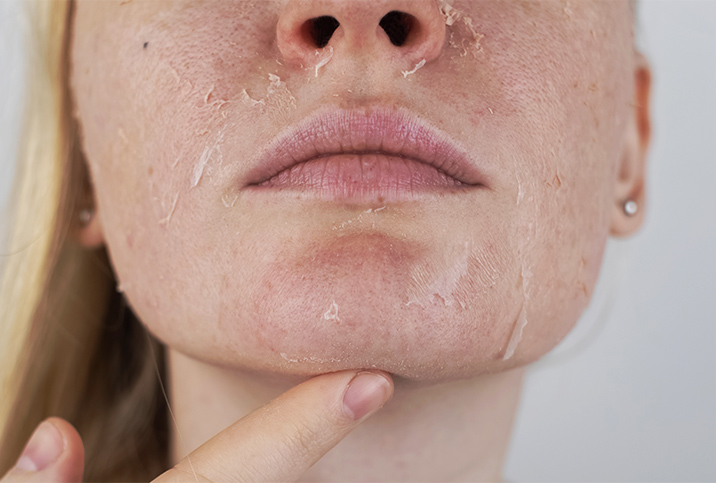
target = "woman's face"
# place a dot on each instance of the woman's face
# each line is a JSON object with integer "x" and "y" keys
{"x": 324, "y": 268}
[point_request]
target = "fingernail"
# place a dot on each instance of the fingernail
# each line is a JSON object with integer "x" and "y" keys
{"x": 43, "y": 449}
{"x": 366, "y": 393}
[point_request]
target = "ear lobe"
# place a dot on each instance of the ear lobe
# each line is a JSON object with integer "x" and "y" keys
{"x": 90, "y": 234}
{"x": 629, "y": 183}
{"x": 87, "y": 229}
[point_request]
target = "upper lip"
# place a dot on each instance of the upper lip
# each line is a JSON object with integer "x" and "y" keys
{"x": 367, "y": 130}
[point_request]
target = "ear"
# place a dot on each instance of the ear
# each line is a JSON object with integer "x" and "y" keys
{"x": 632, "y": 167}
{"x": 89, "y": 233}
{"x": 86, "y": 225}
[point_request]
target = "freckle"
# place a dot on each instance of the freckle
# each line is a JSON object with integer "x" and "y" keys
{"x": 150, "y": 171}
{"x": 146, "y": 44}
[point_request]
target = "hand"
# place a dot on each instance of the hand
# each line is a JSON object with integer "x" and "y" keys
{"x": 277, "y": 442}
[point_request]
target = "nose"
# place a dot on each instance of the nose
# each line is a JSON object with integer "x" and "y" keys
{"x": 413, "y": 30}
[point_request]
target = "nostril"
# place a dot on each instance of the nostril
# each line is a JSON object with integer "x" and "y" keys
{"x": 399, "y": 26}
{"x": 319, "y": 30}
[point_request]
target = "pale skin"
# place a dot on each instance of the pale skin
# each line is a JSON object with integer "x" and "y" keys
{"x": 550, "y": 96}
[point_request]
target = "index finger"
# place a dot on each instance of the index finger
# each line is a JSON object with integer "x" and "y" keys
{"x": 285, "y": 437}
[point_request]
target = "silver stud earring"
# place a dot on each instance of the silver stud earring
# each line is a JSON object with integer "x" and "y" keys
{"x": 630, "y": 207}
{"x": 86, "y": 216}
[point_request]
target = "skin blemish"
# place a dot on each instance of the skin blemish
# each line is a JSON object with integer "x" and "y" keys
{"x": 146, "y": 44}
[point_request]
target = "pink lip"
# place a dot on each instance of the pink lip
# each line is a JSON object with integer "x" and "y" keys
{"x": 364, "y": 155}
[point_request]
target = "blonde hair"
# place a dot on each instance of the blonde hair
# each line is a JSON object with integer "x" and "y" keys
{"x": 70, "y": 345}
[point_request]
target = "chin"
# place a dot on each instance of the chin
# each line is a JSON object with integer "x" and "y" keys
{"x": 374, "y": 303}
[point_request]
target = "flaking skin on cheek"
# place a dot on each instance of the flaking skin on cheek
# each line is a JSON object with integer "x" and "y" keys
{"x": 463, "y": 35}
{"x": 454, "y": 276}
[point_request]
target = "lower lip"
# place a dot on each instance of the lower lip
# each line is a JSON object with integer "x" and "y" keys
{"x": 363, "y": 178}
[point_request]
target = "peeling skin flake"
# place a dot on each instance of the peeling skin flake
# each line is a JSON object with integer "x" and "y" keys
{"x": 324, "y": 59}
{"x": 332, "y": 312}
{"x": 311, "y": 359}
{"x": 278, "y": 89}
{"x": 521, "y": 321}
{"x": 443, "y": 285}
{"x": 406, "y": 73}
{"x": 168, "y": 218}
{"x": 452, "y": 16}
{"x": 520, "y": 193}
{"x": 526, "y": 239}
{"x": 229, "y": 203}
{"x": 277, "y": 96}
{"x": 208, "y": 153}
{"x": 248, "y": 100}
{"x": 516, "y": 336}
{"x": 289, "y": 359}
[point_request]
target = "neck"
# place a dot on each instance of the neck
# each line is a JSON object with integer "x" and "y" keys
{"x": 456, "y": 430}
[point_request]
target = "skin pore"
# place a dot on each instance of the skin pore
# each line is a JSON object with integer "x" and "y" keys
{"x": 452, "y": 294}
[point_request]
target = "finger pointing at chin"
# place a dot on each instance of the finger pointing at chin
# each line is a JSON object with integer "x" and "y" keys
{"x": 284, "y": 438}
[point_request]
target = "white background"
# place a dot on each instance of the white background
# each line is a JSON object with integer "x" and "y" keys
{"x": 630, "y": 395}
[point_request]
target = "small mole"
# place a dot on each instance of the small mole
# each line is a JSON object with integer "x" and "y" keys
{"x": 145, "y": 44}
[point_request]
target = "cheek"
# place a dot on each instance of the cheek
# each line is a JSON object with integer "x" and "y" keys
{"x": 564, "y": 218}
